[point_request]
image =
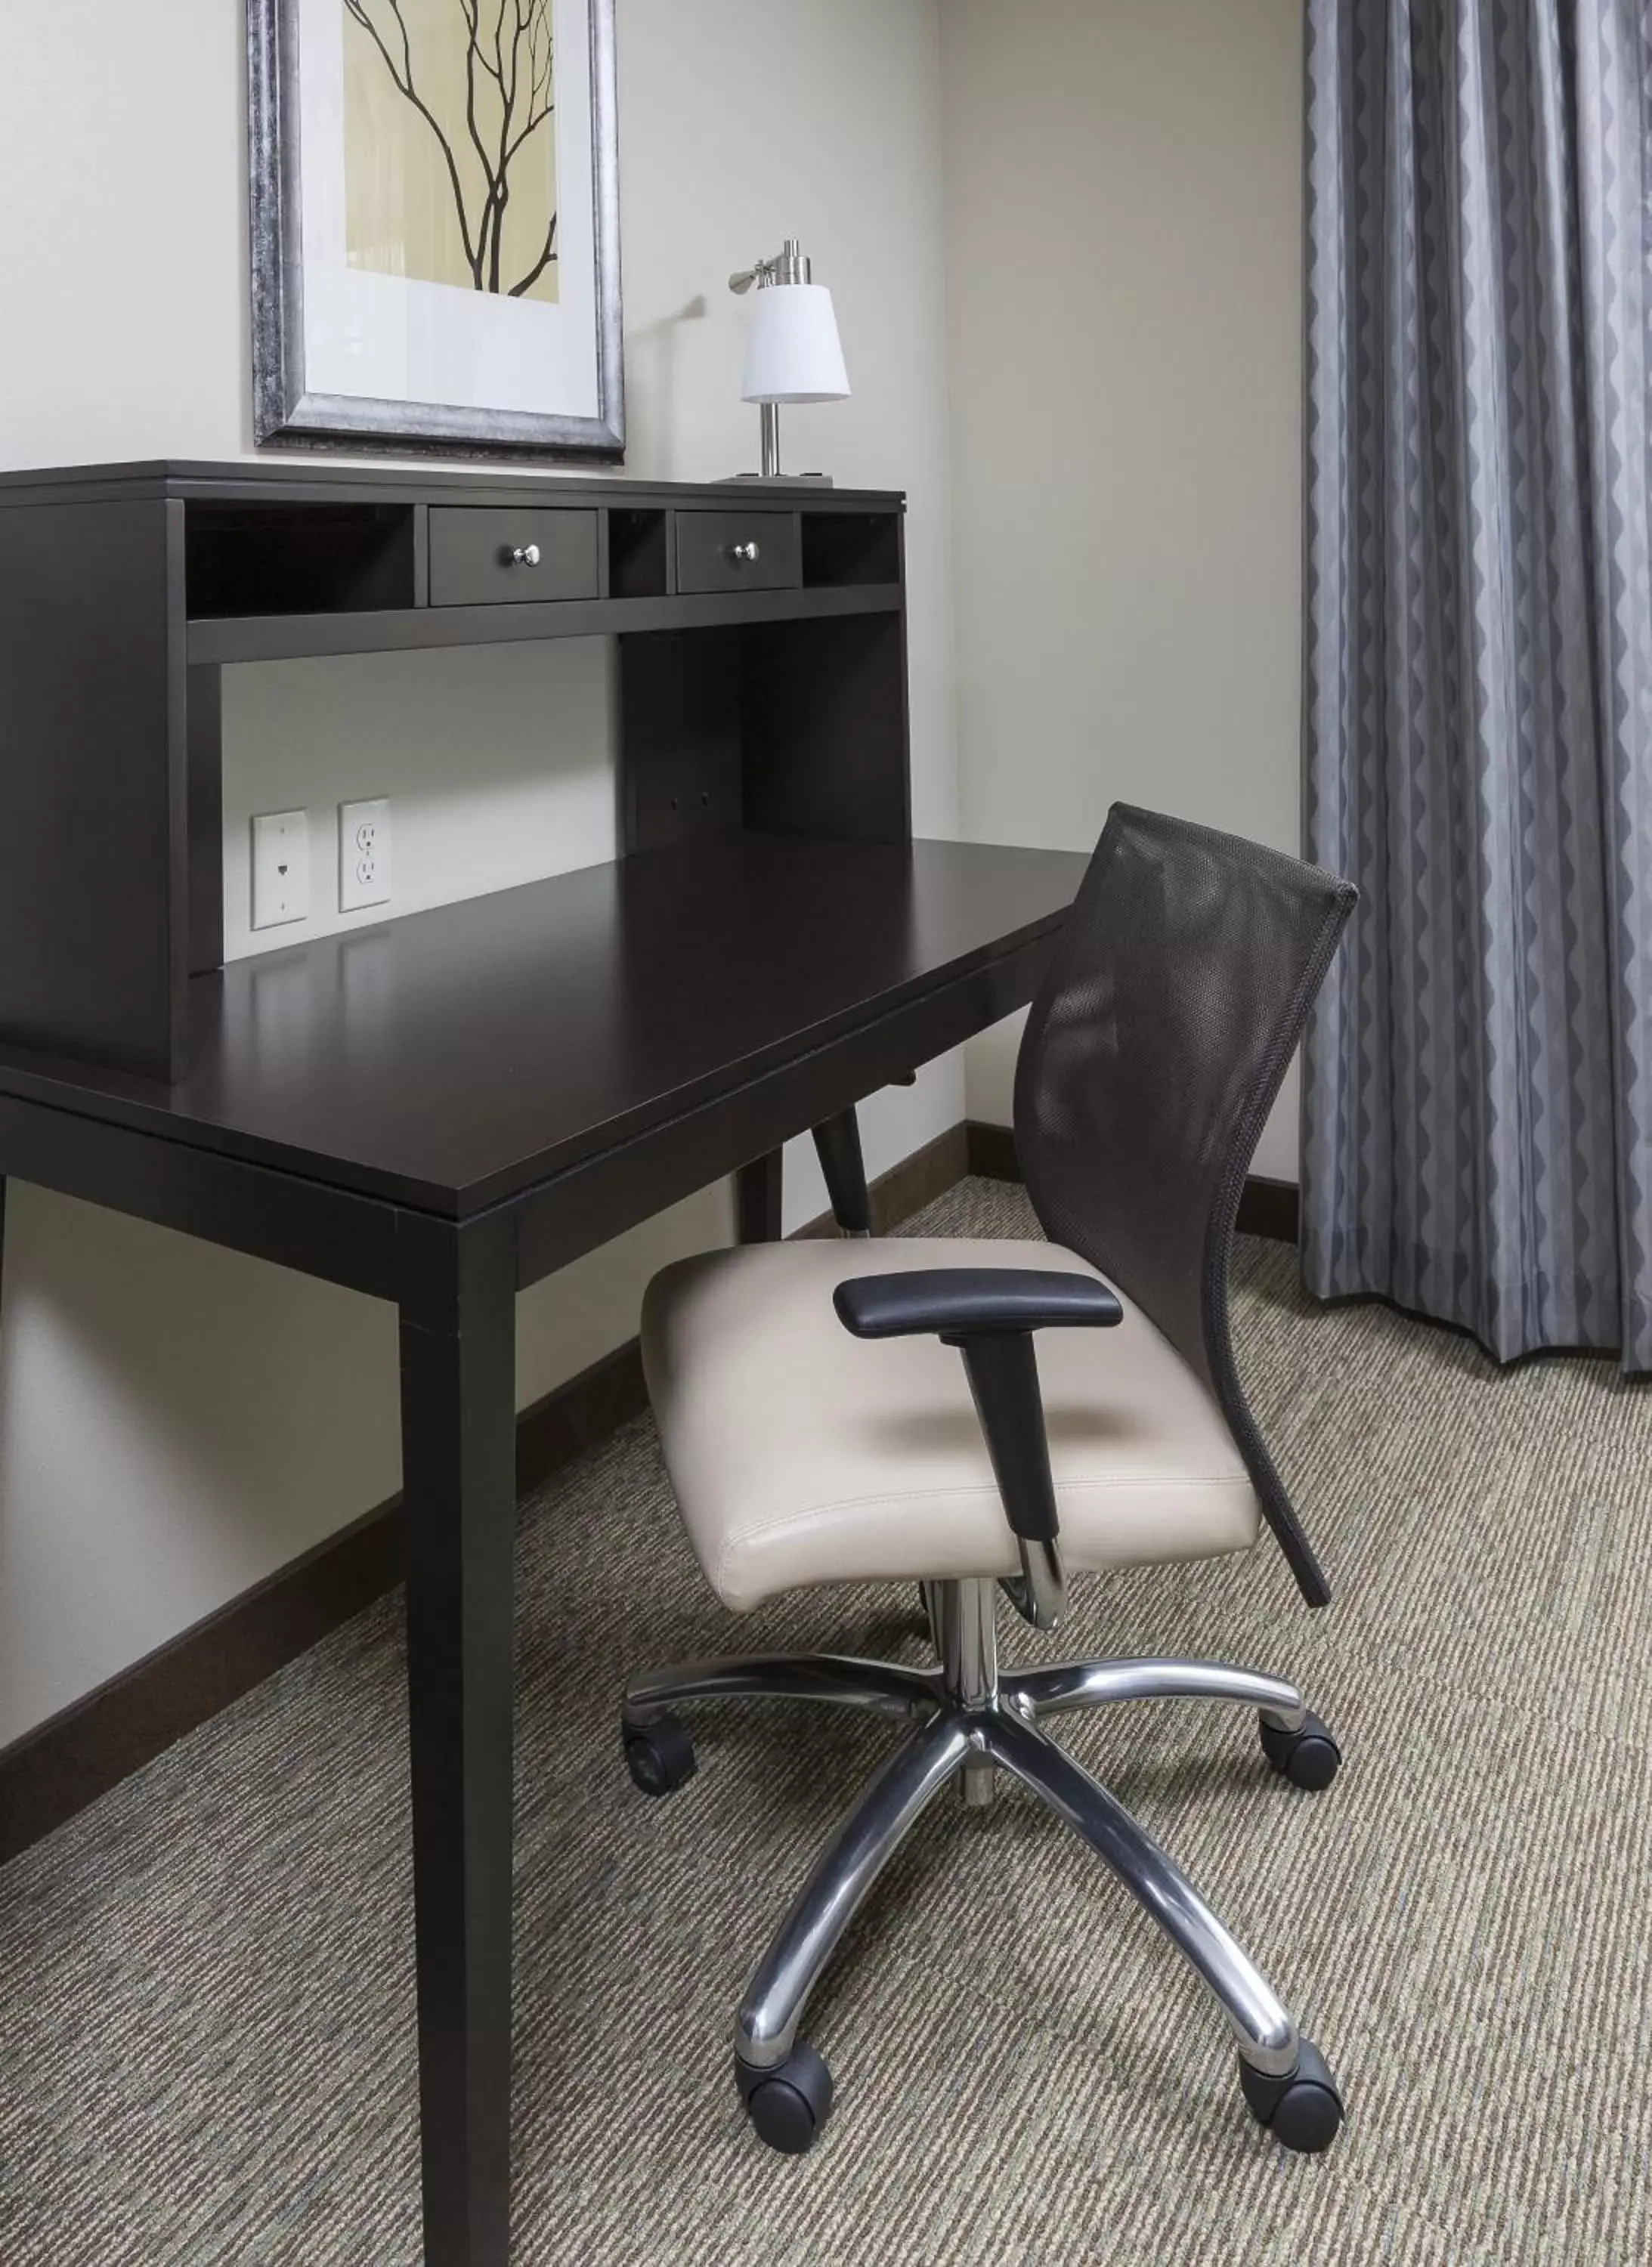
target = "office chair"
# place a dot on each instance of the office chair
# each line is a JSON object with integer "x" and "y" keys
{"x": 835, "y": 1412}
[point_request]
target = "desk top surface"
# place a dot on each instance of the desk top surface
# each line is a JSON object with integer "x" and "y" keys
{"x": 452, "y": 1059}
{"x": 309, "y": 479}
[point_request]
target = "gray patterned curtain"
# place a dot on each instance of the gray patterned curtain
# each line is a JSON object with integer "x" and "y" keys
{"x": 1477, "y": 1076}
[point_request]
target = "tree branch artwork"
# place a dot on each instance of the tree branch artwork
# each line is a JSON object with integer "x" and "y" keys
{"x": 508, "y": 101}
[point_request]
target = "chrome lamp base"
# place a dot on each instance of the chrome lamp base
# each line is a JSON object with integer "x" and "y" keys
{"x": 965, "y": 1723}
{"x": 771, "y": 474}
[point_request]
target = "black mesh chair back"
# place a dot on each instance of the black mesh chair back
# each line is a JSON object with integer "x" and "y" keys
{"x": 1151, "y": 1057}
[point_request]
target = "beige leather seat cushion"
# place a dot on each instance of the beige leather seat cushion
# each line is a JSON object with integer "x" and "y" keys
{"x": 803, "y": 1456}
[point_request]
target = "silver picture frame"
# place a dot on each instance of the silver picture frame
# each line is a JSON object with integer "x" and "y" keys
{"x": 283, "y": 410}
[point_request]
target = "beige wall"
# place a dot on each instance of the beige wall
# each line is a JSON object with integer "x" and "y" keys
{"x": 1124, "y": 278}
{"x": 176, "y": 1422}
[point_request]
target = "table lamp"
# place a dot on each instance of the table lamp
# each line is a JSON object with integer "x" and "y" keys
{"x": 793, "y": 353}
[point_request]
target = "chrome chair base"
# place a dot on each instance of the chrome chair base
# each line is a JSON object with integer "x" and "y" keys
{"x": 966, "y": 1723}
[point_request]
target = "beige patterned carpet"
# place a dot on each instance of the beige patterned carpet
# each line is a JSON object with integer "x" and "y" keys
{"x": 205, "y": 1983}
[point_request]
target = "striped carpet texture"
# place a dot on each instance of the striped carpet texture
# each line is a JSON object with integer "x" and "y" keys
{"x": 206, "y": 1992}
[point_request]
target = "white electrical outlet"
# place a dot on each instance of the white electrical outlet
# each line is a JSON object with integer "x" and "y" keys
{"x": 281, "y": 868}
{"x": 364, "y": 854}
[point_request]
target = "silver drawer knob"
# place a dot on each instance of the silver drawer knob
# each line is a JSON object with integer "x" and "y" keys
{"x": 526, "y": 555}
{"x": 747, "y": 551}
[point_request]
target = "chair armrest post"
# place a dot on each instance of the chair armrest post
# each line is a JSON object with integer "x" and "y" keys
{"x": 990, "y": 1314}
{"x": 1003, "y": 1376}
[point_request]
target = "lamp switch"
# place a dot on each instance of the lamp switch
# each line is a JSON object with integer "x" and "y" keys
{"x": 281, "y": 868}
{"x": 364, "y": 854}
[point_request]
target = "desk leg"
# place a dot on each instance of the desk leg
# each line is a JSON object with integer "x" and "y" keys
{"x": 458, "y": 1315}
{"x": 757, "y": 1200}
{"x": 837, "y": 1143}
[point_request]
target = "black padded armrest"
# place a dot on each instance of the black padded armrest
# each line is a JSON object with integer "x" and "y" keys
{"x": 962, "y": 1303}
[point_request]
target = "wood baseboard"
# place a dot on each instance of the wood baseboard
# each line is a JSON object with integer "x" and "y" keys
{"x": 74, "y": 1758}
{"x": 991, "y": 1151}
{"x": 1271, "y": 1209}
{"x": 67, "y": 1763}
{"x": 1268, "y": 1207}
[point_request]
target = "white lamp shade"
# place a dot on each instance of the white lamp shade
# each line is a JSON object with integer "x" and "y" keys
{"x": 794, "y": 353}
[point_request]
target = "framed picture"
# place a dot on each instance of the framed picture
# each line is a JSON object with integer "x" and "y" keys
{"x": 434, "y": 225}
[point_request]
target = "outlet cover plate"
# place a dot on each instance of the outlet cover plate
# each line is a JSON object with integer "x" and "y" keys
{"x": 364, "y": 854}
{"x": 281, "y": 868}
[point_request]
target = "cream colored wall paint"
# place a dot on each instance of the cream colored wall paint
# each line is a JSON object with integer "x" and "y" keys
{"x": 495, "y": 759}
{"x": 1124, "y": 279}
{"x": 176, "y": 1422}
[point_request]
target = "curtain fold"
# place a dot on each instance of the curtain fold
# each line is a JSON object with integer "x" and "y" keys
{"x": 1477, "y": 709}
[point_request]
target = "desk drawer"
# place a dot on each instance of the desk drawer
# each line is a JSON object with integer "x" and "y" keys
{"x": 480, "y": 556}
{"x": 738, "y": 551}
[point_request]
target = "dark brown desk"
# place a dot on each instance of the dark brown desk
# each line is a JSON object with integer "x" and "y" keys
{"x": 442, "y": 1109}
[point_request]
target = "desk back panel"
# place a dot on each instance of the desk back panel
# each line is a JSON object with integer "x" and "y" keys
{"x": 681, "y": 750}
{"x": 824, "y": 715}
{"x": 786, "y": 728}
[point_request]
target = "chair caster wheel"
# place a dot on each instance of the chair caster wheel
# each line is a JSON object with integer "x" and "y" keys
{"x": 1303, "y": 2111}
{"x": 788, "y": 2104}
{"x": 659, "y": 1754}
{"x": 1308, "y": 1758}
